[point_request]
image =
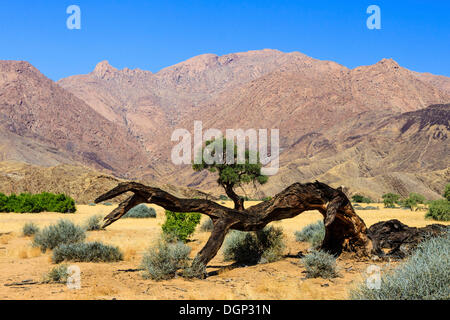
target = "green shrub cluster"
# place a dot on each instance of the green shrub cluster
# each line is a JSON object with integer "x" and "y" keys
{"x": 439, "y": 210}
{"x": 30, "y": 229}
{"x": 180, "y": 225}
{"x": 262, "y": 246}
{"x": 447, "y": 192}
{"x": 390, "y": 200}
{"x": 34, "y": 203}
{"x": 367, "y": 208}
{"x": 313, "y": 233}
{"x": 320, "y": 264}
{"x": 141, "y": 211}
{"x": 424, "y": 276}
{"x": 162, "y": 261}
{"x": 361, "y": 199}
{"x": 64, "y": 232}
{"x": 86, "y": 252}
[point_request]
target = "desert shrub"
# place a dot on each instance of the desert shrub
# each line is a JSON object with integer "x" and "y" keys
{"x": 313, "y": 233}
{"x": 424, "y": 276}
{"x": 34, "y": 203}
{"x": 107, "y": 204}
{"x": 320, "y": 264}
{"x": 64, "y": 232}
{"x": 93, "y": 223}
{"x": 267, "y": 199}
{"x": 447, "y": 192}
{"x": 196, "y": 270}
{"x": 413, "y": 200}
{"x": 180, "y": 224}
{"x": 361, "y": 199}
{"x": 30, "y": 229}
{"x": 164, "y": 259}
{"x": 263, "y": 246}
{"x": 207, "y": 226}
{"x": 367, "y": 208}
{"x": 141, "y": 211}
{"x": 222, "y": 197}
{"x": 390, "y": 199}
{"x": 58, "y": 274}
{"x": 439, "y": 210}
{"x": 86, "y": 252}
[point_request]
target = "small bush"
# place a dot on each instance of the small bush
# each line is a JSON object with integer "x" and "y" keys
{"x": 196, "y": 270}
{"x": 368, "y": 208}
{"x": 141, "y": 211}
{"x": 207, "y": 226}
{"x": 222, "y": 197}
{"x": 361, "y": 199}
{"x": 64, "y": 232}
{"x": 412, "y": 201}
{"x": 93, "y": 223}
{"x": 424, "y": 276}
{"x": 181, "y": 225}
{"x": 164, "y": 259}
{"x": 30, "y": 229}
{"x": 58, "y": 274}
{"x": 319, "y": 264}
{"x": 263, "y": 246}
{"x": 86, "y": 252}
{"x": 267, "y": 199}
{"x": 313, "y": 233}
{"x": 447, "y": 192}
{"x": 390, "y": 199}
{"x": 439, "y": 210}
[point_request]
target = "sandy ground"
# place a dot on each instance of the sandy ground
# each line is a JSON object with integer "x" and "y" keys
{"x": 284, "y": 279}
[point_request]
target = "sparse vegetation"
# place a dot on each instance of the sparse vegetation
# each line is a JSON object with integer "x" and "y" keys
{"x": 164, "y": 259}
{"x": 29, "y": 229}
{"x": 367, "y": 208}
{"x": 58, "y": 274}
{"x": 424, "y": 276}
{"x": 319, "y": 264}
{"x": 93, "y": 223}
{"x": 207, "y": 226}
{"x": 64, "y": 232}
{"x": 29, "y": 203}
{"x": 413, "y": 201}
{"x": 86, "y": 252}
{"x": 439, "y": 210}
{"x": 447, "y": 192}
{"x": 313, "y": 233}
{"x": 361, "y": 199}
{"x": 141, "y": 211}
{"x": 180, "y": 224}
{"x": 262, "y": 246}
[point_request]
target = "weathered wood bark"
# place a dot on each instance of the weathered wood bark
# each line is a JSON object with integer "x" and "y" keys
{"x": 345, "y": 230}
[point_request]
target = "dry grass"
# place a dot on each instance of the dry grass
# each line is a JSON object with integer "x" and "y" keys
{"x": 280, "y": 280}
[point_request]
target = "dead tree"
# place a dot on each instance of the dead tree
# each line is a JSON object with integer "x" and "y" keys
{"x": 345, "y": 230}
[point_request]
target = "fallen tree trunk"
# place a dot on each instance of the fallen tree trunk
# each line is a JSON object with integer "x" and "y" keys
{"x": 345, "y": 230}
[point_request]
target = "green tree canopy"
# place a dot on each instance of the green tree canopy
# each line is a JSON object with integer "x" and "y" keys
{"x": 231, "y": 173}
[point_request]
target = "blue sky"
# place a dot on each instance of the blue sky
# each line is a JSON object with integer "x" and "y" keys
{"x": 152, "y": 35}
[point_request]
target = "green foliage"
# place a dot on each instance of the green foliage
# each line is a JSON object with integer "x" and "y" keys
{"x": 34, "y": 203}
{"x": 58, "y": 274}
{"x": 30, "y": 229}
{"x": 64, "y": 232}
{"x": 313, "y": 233}
{"x": 86, "y": 252}
{"x": 93, "y": 223}
{"x": 180, "y": 224}
{"x": 413, "y": 200}
{"x": 424, "y": 276}
{"x": 207, "y": 226}
{"x": 439, "y": 210}
{"x": 196, "y": 270}
{"x": 230, "y": 174}
{"x": 319, "y": 264}
{"x": 224, "y": 198}
{"x": 267, "y": 199}
{"x": 390, "y": 199}
{"x": 361, "y": 199}
{"x": 367, "y": 208}
{"x": 447, "y": 192}
{"x": 141, "y": 211}
{"x": 164, "y": 259}
{"x": 263, "y": 246}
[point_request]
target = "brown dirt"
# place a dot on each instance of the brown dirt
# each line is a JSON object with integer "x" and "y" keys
{"x": 280, "y": 280}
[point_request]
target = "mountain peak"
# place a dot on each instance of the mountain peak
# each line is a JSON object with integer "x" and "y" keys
{"x": 391, "y": 63}
{"x": 103, "y": 69}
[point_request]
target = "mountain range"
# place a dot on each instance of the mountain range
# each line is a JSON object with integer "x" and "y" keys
{"x": 375, "y": 129}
